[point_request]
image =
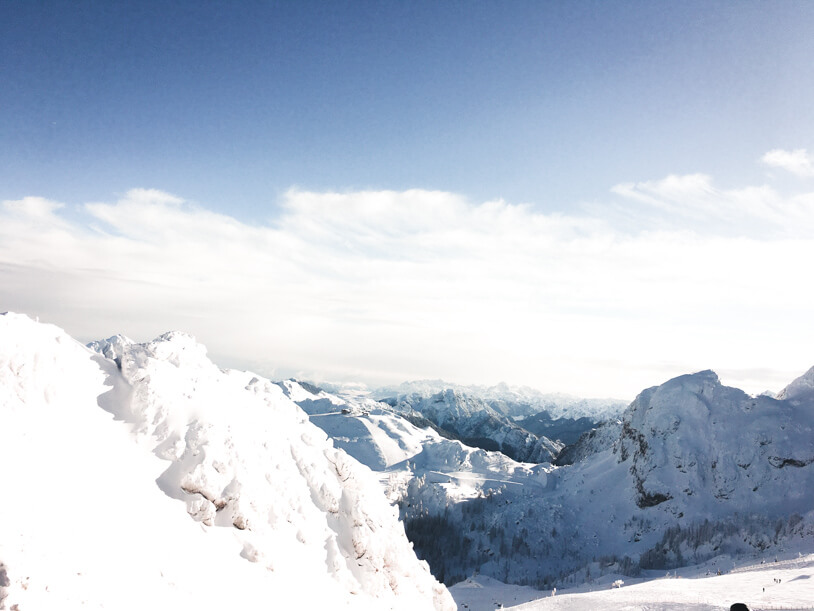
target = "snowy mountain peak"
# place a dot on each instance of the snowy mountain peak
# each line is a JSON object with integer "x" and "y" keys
{"x": 694, "y": 436}
{"x": 699, "y": 382}
{"x": 684, "y": 397}
{"x": 180, "y": 349}
{"x": 800, "y": 389}
{"x": 112, "y": 348}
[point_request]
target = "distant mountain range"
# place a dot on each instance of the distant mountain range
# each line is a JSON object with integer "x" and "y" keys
{"x": 523, "y": 423}
{"x": 515, "y": 402}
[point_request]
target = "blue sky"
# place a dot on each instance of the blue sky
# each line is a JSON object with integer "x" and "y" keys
{"x": 533, "y": 157}
{"x": 550, "y": 103}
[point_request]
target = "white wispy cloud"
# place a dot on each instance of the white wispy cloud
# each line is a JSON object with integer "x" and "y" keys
{"x": 797, "y": 162}
{"x": 693, "y": 202}
{"x": 384, "y": 286}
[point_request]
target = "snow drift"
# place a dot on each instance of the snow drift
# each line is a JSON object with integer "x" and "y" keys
{"x": 206, "y": 488}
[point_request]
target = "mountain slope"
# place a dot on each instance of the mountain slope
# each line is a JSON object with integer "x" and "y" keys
{"x": 692, "y": 470}
{"x": 477, "y": 424}
{"x": 800, "y": 390}
{"x": 565, "y": 430}
{"x": 709, "y": 445}
{"x": 591, "y": 442}
{"x": 693, "y": 450}
{"x": 368, "y": 430}
{"x": 407, "y": 455}
{"x": 270, "y": 513}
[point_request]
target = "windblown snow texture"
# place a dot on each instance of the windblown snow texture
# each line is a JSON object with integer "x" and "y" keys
{"x": 205, "y": 489}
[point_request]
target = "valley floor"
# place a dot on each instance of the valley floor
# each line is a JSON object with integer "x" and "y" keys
{"x": 787, "y": 584}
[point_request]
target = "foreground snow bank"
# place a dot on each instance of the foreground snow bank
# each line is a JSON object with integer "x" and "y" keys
{"x": 279, "y": 516}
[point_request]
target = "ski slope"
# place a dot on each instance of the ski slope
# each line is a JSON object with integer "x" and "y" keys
{"x": 753, "y": 584}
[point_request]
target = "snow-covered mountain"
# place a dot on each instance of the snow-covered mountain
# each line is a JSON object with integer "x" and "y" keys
{"x": 142, "y": 476}
{"x": 699, "y": 446}
{"x": 408, "y": 451}
{"x": 602, "y": 437}
{"x": 564, "y": 430}
{"x": 501, "y": 417}
{"x": 476, "y": 423}
{"x": 368, "y": 430}
{"x": 800, "y": 391}
{"x": 669, "y": 481}
{"x": 691, "y": 470}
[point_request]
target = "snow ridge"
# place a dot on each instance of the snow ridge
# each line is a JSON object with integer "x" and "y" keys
{"x": 287, "y": 516}
{"x": 801, "y": 389}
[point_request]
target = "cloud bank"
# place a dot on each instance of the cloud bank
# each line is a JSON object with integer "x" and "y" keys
{"x": 671, "y": 276}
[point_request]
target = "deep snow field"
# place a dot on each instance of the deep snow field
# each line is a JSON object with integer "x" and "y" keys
{"x": 691, "y": 588}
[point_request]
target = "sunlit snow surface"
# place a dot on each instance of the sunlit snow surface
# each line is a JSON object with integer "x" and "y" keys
{"x": 167, "y": 483}
{"x": 378, "y": 436}
{"x": 786, "y": 584}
